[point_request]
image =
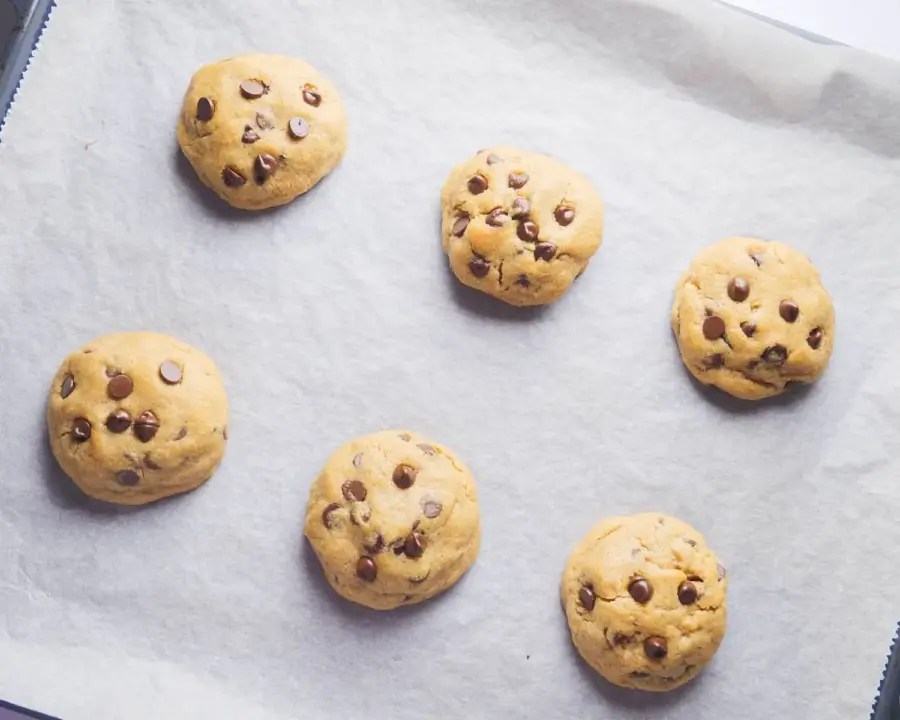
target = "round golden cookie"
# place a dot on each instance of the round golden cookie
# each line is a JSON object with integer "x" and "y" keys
{"x": 262, "y": 129}
{"x": 750, "y": 316}
{"x": 645, "y": 601}
{"x": 518, "y": 225}
{"x": 393, "y": 518}
{"x": 135, "y": 417}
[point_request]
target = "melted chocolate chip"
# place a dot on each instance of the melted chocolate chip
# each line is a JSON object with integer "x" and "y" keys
{"x": 118, "y": 421}
{"x": 775, "y": 355}
{"x": 520, "y": 208}
{"x": 81, "y": 429}
{"x": 206, "y": 108}
{"x": 479, "y": 267}
{"x": 375, "y": 544}
{"x": 544, "y": 251}
{"x": 460, "y": 225}
{"x": 404, "y": 476}
{"x": 414, "y": 545}
{"x": 518, "y": 179}
{"x": 564, "y": 215}
{"x": 311, "y": 97}
{"x": 587, "y": 598}
{"x": 738, "y": 289}
{"x": 328, "y": 519}
{"x": 128, "y": 478}
{"x": 250, "y": 136}
{"x": 749, "y": 328}
{"x": 264, "y": 166}
{"x": 431, "y": 508}
{"x": 232, "y": 178}
{"x": 146, "y": 426}
{"x": 713, "y": 327}
{"x": 477, "y": 184}
{"x": 253, "y": 89}
{"x": 298, "y": 128}
{"x": 814, "y": 339}
{"x": 687, "y": 593}
{"x": 524, "y": 281}
{"x": 656, "y": 648}
{"x": 68, "y": 385}
{"x": 366, "y": 569}
{"x": 354, "y": 490}
{"x": 716, "y": 360}
{"x": 641, "y": 590}
{"x": 496, "y": 217}
{"x": 528, "y": 231}
{"x": 119, "y": 387}
{"x": 789, "y": 310}
{"x": 170, "y": 372}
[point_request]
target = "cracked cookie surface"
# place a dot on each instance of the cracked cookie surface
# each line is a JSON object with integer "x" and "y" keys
{"x": 645, "y": 601}
{"x": 750, "y": 316}
{"x": 261, "y": 129}
{"x": 135, "y": 417}
{"x": 518, "y": 225}
{"x": 393, "y": 519}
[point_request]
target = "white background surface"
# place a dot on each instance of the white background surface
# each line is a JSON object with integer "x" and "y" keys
{"x": 336, "y": 316}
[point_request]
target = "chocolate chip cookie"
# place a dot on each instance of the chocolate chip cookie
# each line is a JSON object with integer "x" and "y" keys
{"x": 518, "y": 225}
{"x": 645, "y": 600}
{"x": 262, "y": 129}
{"x": 135, "y": 417}
{"x": 393, "y": 518}
{"x": 750, "y": 316}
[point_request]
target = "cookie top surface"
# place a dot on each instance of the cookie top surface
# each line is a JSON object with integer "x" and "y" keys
{"x": 645, "y": 600}
{"x": 518, "y": 225}
{"x": 262, "y": 129}
{"x": 135, "y": 417}
{"x": 393, "y": 518}
{"x": 750, "y": 316}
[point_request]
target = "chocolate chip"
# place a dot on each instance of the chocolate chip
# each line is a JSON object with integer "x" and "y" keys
{"x": 692, "y": 543}
{"x": 713, "y": 327}
{"x": 738, "y": 289}
{"x": 360, "y": 514}
{"x": 641, "y": 590}
{"x": 366, "y": 569}
{"x": 354, "y": 490}
{"x": 757, "y": 258}
{"x": 496, "y": 217}
{"x": 716, "y": 360}
{"x": 721, "y": 572}
{"x": 621, "y": 639}
{"x": 225, "y": 433}
{"x": 264, "y": 122}
{"x": 405, "y": 437}
{"x": 232, "y": 178}
{"x": 68, "y": 385}
{"x": 327, "y": 519}
{"x": 789, "y": 310}
{"x": 250, "y": 136}
{"x": 118, "y": 421}
{"x": 425, "y": 448}
{"x": 431, "y": 508}
{"x": 182, "y": 434}
{"x": 206, "y": 108}
{"x": 493, "y": 159}
{"x": 81, "y": 429}
{"x": 775, "y": 355}
{"x": 687, "y": 593}
{"x": 520, "y": 208}
{"x": 150, "y": 464}
{"x": 544, "y": 251}
{"x": 414, "y": 545}
{"x": 127, "y": 477}
{"x": 375, "y": 545}
{"x": 298, "y": 128}
{"x": 460, "y": 225}
{"x": 170, "y": 372}
{"x": 477, "y": 184}
{"x": 479, "y": 267}
{"x": 518, "y": 179}
{"x": 564, "y": 215}
{"x": 749, "y": 328}
{"x": 814, "y": 339}
{"x": 357, "y": 460}
{"x": 310, "y": 96}
{"x": 587, "y": 598}
{"x": 523, "y": 280}
{"x": 528, "y": 231}
{"x": 120, "y": 387}
{"x": 252, "y": 89}
{"x": 146, "y": 426}
{"x": 404, "y": 476}
{"x": 656, "y": 648}
{"x": 264, "y": 166}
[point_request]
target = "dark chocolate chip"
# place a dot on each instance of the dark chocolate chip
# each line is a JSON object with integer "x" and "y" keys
{"x": 496, "y": 217}
{"x": 327, "y": 519}
{"x": 414, "y": 545}
{"x": 68, "y": 385}
{"x": 264, "y": 122}
{"x": 264, "y": 166}
{"x": 544, "y": 251}
{"x": 232, "y": 178}
{"x": 523, "y": 280}
{"x": 687, "y": 593}
{"x": 713, "y": 327}
{"x": 587, "y": 598}
{"x": 357, "y": 460}
{"x": 477, "y": 184}
{"x": 404, "y": 476}
{"x": 520, "y": 208}
{"x": 354, "y": 490}
{"x": 250, "y": 136}
{"x": 118, "y": 421}
{"x": 775, "y": 355}
{"x": 656, "y": 648}
{"x": 119, "y": 387}
{"x": 431, "y": 508}
{"x": 738, "y": 289}
{"x": 366, "y": 569}
{"x": 564, "y": 215}
{"x": 641, "y": 590}
{"x": 426, "y": 448}
{"x": 375, "y": 545}
{"x": 206, "y": 108}
{"x": 460, "y": 225}
{"x": 493, "y": 159}
{"x": 81, "y": 429}
{"x": 621, "y": 639}
{"x": 528, "y": 231}
{"x": 789, "y": 310}
{"x": 182, "y": 434}
{"x": 170, "y": 372}
{"x": 716, "y": 360}
{"x": 749, "y": 328}
{"x": 127, "y": 477}
{"x": 518, "y": 179}
{"x": 298, "y": 128}
{"x": 146, "y": 426}
{"x": 310, "y": 96}
{"x": 479, "y": 267}
{"x": 252, "y": 89}
{"x": 814, "y": 339}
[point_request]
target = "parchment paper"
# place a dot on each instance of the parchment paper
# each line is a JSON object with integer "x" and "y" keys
{"x": 337, "y": 316}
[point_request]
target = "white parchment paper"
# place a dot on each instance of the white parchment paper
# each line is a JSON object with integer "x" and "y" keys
{"x": 337, "y": 316}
